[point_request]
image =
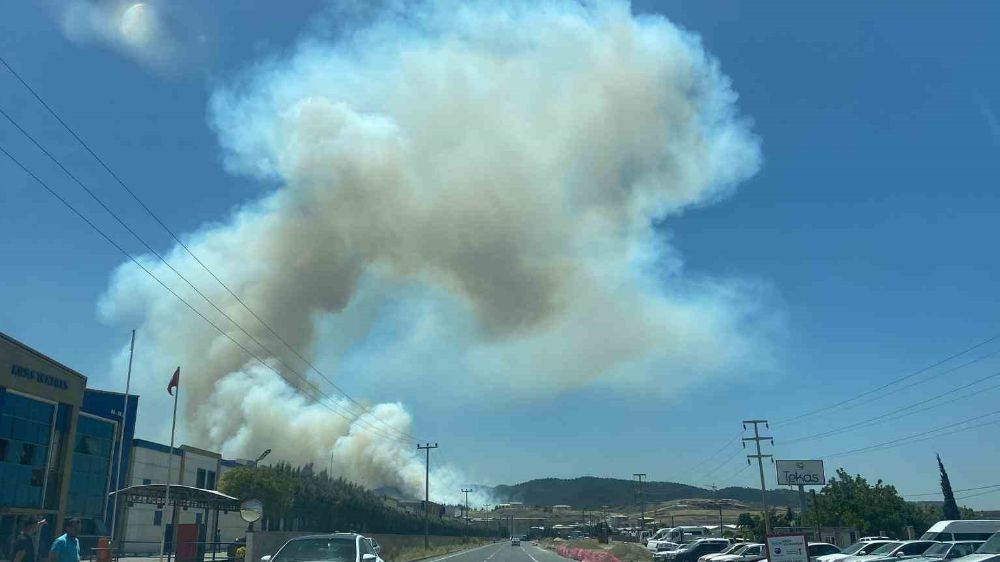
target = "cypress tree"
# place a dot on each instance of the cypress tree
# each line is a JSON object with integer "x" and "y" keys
{"x": 950, "y": 507}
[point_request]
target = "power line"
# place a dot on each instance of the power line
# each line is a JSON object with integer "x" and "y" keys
{"x": 977, "y": 495}
{"x": 891, "y": 383}
{"x": 135, "y": 261}
{"x": 176, "y": 239}
{"x": 886, "y": 416}
{"x": 912, "y": 438}
{"x": 938, "y": 493}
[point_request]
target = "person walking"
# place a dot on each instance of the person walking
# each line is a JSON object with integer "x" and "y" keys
{"x": 67, "y": 547}
{"x": 24, "y": 547}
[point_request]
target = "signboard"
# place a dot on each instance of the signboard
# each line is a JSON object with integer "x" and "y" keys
{"x": 787, "y": 548}
{"x": 800, "y": 473}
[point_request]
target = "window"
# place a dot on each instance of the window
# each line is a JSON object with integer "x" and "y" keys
{"x": 157, "y": 517}
{"x": 200, "y": 478}
{"x": 914, "y": 548}
{"x": 332, "y": 550}
{"x": 25, "y": 432}
{"x": 92, "y": 452}
{"x": 210, "y": 480}
{"x": 146, "y": 481}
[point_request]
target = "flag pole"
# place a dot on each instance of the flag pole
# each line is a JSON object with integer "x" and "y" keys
{"x": 121, "y": 443}
{"x": 170, "y": 462}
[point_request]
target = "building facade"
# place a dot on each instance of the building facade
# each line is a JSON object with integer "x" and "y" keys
{"x": 145, "y": 525}
{"x": 58, "y": 445}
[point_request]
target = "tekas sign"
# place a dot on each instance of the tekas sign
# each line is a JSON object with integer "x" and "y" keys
{"x": 800, "y": 473}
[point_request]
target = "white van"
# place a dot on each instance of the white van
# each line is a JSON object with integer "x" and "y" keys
{"x": 679, "y": 535}
{"x": 970, "y": 530}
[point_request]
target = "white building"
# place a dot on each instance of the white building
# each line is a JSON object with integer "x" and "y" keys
{"x": 146, "y": 524}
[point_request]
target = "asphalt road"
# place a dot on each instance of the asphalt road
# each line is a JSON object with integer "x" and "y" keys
{"x": 503, "y": 552}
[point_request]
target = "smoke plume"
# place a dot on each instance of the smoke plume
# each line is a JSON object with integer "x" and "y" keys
{"x": 467, "y": 193}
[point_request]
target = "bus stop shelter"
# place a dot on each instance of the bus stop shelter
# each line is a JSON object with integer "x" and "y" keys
{"x": 187, "y": 542}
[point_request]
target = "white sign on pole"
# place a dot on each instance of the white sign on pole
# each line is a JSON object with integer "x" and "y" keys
{"x": 800, "y": 473}
{"x": 787, "y": 548}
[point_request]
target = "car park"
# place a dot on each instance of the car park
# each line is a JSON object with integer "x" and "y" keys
{"x": 860, "y": 548}
{"x": 333, "y": 547}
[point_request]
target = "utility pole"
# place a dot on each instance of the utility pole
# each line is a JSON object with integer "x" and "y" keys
{"x": 427, "y": 491}
{"x": 466, "y": 492}
{"x": 642, "y": 504}
{"x": 760, "y": 464}
{"x": 718, "y": 503}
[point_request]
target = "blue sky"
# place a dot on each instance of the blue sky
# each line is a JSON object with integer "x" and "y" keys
{"x": 871, "y": 224}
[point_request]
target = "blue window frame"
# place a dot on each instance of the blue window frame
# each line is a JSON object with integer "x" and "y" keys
{"x": 92, "y": 452}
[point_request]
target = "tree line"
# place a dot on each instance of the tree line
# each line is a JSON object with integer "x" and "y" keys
{"x": 872, "y": 509}
{"x": 301, "y": 499}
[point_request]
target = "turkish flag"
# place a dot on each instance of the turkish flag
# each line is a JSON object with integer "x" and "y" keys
{"x": 174, "y": 381}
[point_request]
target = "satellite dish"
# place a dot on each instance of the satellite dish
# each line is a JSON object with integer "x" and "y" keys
{"x": 251, "y": 510}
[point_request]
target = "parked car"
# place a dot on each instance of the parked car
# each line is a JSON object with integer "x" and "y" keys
{"x": 734, "y": 548}
{"x": 692, "y": 551}
{"x": 895, "y": 550}
{"x": 334, "y": 547}
{"x": 818, "y": 549}
{"x": 965, "y": 530}
{"x": 948, "y": 551}
{"x": 987, "y": 552}
{"x": 664, "y": 546}
{"x": 752, "y": 553}
{"x": 859, "y": 548}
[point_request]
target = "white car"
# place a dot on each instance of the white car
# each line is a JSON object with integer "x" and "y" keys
{"x": 892, "y": 551}
{"x": 335, "y": 547}
{"x": 735, "y": 548}
{"x": 989, "y": 552}
{"x": 859, "y": 548}
{"x": 752, "y": 553}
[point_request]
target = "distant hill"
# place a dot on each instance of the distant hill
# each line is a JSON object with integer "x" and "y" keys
{"x": 592, "y": 492}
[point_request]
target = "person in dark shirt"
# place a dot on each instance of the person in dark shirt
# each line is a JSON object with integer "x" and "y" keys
{"x": 24, "y": 547}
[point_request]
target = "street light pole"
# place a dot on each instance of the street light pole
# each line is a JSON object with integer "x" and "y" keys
{"x": 253, "y": 480}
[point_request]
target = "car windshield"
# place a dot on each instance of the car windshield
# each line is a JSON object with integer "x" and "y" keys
{"x": 317, "y": 550}
{"x": 991, "y": 546}
{"x": 886, "y": 548}
{"x": 938, "y": 550}
{"x": 735, "y": 549}
{"x": 854, "y": 548}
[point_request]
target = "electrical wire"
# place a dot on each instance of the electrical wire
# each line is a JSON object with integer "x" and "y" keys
{"x": 891, "y": 383}
{"x": 177, "y": 239}
{"x": 938, "y": 493}
{"x": 139, "y": 264}
{"x": 910, "y": 439}
{"x": 883, "y": 418}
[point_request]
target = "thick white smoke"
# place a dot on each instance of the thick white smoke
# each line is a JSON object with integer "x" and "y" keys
{"x": 484, "y": 176}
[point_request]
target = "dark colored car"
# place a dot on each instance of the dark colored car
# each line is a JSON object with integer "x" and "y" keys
{"x": 691, "y": 552}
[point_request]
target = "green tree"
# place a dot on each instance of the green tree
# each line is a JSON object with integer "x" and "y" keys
{"x": 851, "y": 501}
{"x": 950, "y": 507}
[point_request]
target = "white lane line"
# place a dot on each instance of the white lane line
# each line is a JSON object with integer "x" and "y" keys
{"x": 529, "y": 555}
{"x": 466, "y": 552}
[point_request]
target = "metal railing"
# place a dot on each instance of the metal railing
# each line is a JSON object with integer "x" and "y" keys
{"x": 148, "y": 551}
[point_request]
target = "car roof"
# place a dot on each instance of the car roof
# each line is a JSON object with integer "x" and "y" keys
{"x": 329, "y": 536}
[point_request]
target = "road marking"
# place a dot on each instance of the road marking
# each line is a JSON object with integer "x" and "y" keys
{"x": 529, "y": 555}
{"x": 466, "y": 552}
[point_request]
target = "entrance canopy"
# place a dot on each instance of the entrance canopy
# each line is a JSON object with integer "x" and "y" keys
{"x": 182, "y": 496}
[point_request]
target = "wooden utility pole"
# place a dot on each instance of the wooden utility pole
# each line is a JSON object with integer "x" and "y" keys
{"x": 757, "y": 438}
{"x": 642, "y": 504}
{"x": 427, "y": 491}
